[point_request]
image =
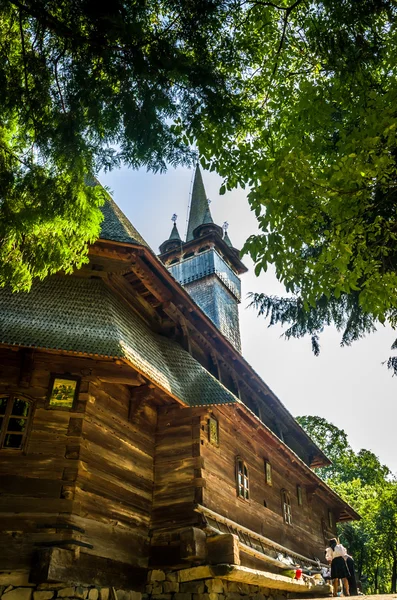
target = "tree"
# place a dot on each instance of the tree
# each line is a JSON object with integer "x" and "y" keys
{"x": 293, "y": 98}
{"x": 86, "y": 86}
{"x": 318, "y": 150}
{"x": 369, "y": 487}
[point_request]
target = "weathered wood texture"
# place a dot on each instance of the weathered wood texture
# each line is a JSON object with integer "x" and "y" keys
{"x": 115, "y": 479}
{"x": 178, "y": 481}
{"x": 89, "y": 469}
{"x": 236, "y": 438}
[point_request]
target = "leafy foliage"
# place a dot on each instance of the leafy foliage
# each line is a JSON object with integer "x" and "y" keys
{"x": 294, "y": 98}
{"x": 86, "y": 86}
{"x": 317, "y": 146}
{"x": 370, "y": 488}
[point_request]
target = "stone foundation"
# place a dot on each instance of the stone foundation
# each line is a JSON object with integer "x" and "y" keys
{"x": 59, "y": 591}
{"x": 166, "y": 586}
{"x": 162, "y": 585}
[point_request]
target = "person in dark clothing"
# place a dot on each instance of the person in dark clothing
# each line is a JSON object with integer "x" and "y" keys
{"x": 336, "y": 555}
{"x": 352, "y": 577}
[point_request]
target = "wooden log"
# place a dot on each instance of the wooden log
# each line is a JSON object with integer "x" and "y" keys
{"x": 223, "y": 548}
{"x": 245, "y": 575}
{"x": 193, "y": 544}
{"x": 56, "y": 564}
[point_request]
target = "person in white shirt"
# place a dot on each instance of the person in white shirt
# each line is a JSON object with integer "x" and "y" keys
{"x": 336, "y": 554}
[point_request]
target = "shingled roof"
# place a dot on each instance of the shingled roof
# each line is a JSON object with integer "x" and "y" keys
{"x": 117, "y": 228}
{"x": 83, "y": 316}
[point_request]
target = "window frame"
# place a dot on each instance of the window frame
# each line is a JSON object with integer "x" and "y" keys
{"x": 268, "y": 472}
{"x": 299, "y": 495}
{"x": 287, "y": 507}
{"x": 331, "y": 524}
{"x": 4, "y": 428}
{"x": 245, "y": 486}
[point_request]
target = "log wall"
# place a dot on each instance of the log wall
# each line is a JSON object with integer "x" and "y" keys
{"x": 236, "y": 438}
{"x": 89, "y": 468}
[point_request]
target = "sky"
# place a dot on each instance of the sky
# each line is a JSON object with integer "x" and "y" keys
{"x": 347, "y": 386}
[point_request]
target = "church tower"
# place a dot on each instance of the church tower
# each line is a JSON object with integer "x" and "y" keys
{"x": 207, "y": 265}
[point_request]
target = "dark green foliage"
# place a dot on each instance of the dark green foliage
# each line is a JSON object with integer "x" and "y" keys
{"x": 86, "y": 86}
{"x": 370, "y": 488}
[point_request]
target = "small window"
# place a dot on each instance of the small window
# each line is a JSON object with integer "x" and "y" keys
{"x": 174, "y": 261}
{"x": 63, "y": 392}
{"x": 242, "y": 479}
{"x": 213, "y": 431}
{"x": 268, "y": 473}
{"x": 203, "y": 248}
{"x": 299, "y": 495}
{"x": 287, "y": 513}
{"x": 188, "y": 255}
{"x": 330, "y": 519}
{"x": 14, "y": 419}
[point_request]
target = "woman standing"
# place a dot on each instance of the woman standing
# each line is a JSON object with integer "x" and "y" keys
{"x": 336, "y": 554}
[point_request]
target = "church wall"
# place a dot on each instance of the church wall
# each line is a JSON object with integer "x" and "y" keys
{"x": 85, "y": 475}
{"x": 178, "y": 482}
{"x": 36, "y": 485}
{"x": 237, "y": 439}
{"x": 114, "y": 484}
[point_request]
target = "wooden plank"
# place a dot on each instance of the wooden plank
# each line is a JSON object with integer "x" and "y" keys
{"x": 223, "y": 549}
{"x": 244, "y": 575}
{"x": 192, "y": 545}
{"x": 56, "y": 564}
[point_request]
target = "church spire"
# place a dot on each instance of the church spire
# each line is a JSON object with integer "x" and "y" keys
{"x": 199, "y": 208}
{"x": 174, "y": 241}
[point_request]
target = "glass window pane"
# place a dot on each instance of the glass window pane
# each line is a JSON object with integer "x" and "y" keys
{"x": 17, "y": 425}
{"x": 3, "y": 405}
{"x": 20, "y": 408}
{"x": 13, "y": 440}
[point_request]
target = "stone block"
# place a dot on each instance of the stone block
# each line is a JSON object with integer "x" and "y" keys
{"x": 135, "y": 596}
{"x": 170, "y": 586}
{"x": 8, "y": 589}
{"x": 104, "y": 593}
{"x": 157, "y": 588}
{"x": 44, "y": 595}
{"x": 50, "y": 586}
{"x": 214, "y": 585}
{"x": 201, "y": 597}
{"x": 80, "y": 592}
{"x": 93, "y": 594}
{"x": 194, "y": 587}
{"x": 66, "y": 592}
{"x": 162, "y": 597}
{"x": 171, "y": 576}
{"x": 157, "y": 575}
{"x": 182, "y": 596}
{"x": 148, "y": 588}
{"x": 18, "y": 593}
{"x": 213, "y": 596}
{"x": 233, "y": 596}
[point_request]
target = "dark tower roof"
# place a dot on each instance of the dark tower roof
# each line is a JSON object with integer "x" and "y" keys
{"x": 175, "y": 234}
{"x": 174, "y": 241}
{"x": 199, "y": 208}
{"x": 227, "y": 240}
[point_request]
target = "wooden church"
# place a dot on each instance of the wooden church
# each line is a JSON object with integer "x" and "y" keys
{"x": 139, "y": 452}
